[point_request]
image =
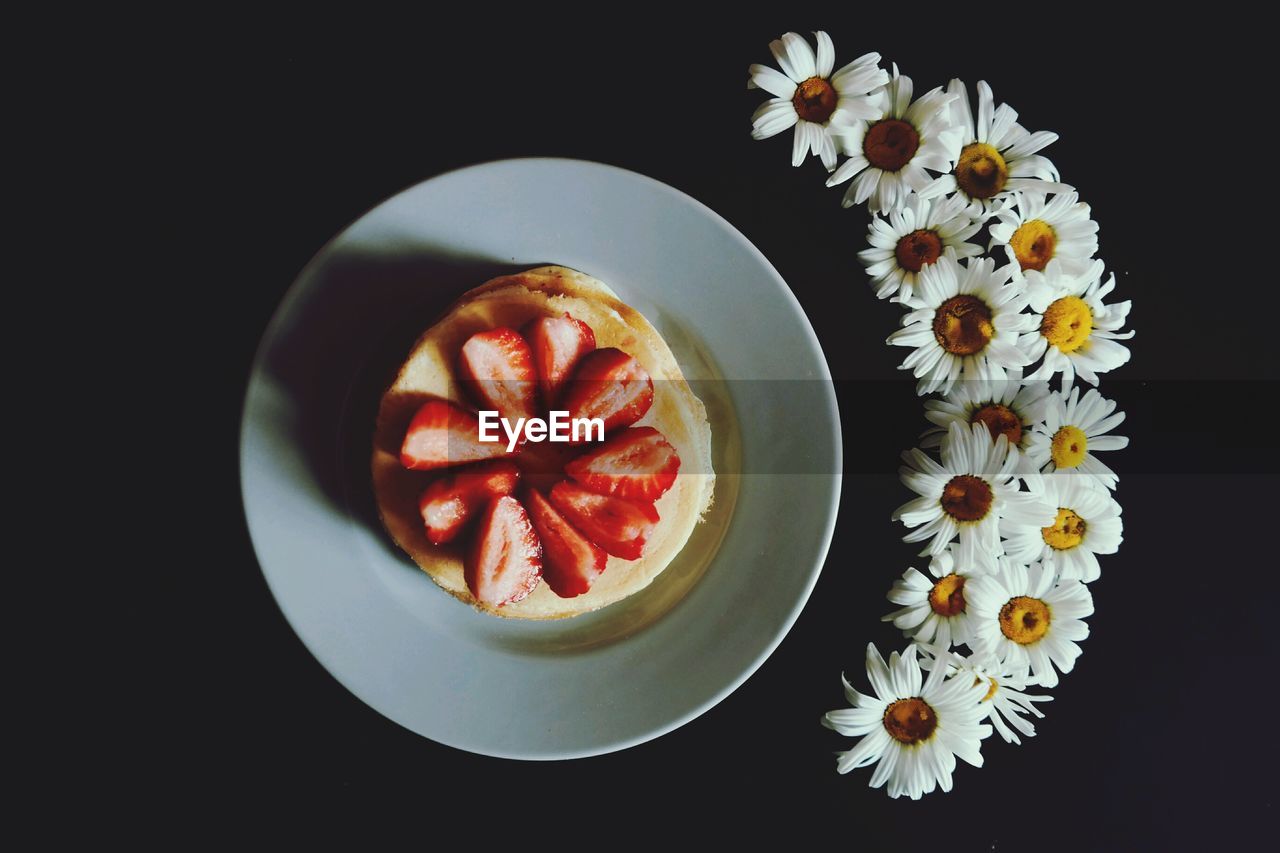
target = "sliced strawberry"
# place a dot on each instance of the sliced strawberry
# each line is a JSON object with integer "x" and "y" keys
{"x": 570, "y": 561}
{"x": 542, "y": 463}
{"x": 638, "y": 464}
{"x": 557, "y": 344}
{"x": 450, "y": 502}
{"x": 618, "y": 526}
{"x": 506, "y": 557}
{"x": 496, "y": 368}
{"x": 610, "y": 385}
{"x": 441, "y": 435}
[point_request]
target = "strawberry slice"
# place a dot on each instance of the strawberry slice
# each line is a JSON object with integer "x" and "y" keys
{"x": 441, "y": 435}
{"x": 570, "y": 561}
{"x": 637, "y": 464}
{"x": 450, "y": 502}
{"x": 557, "y": 344}
{"x": 610, "y": 385}
{"x": 506, "y": 557}
{"x": 618, "y": 526}
{"x": 496, "y": 368}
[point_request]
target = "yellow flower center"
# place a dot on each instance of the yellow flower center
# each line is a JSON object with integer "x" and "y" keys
{"x": 1067, "y": 530}
{"x": 967, "y": 498}
{"x": 981, "y": 171}
{"x": 962, "y": 325}
{"x": 947, "y": 596}
{"x": 991, "y": 691}
{"x": 1033, "y": 244}
{"x": 910, "y": 721}
{"x": 1069, "y": 447}
{"x": 1024, "y": 620}
{"x": 814, "y": 100}
{"x": 918, "y": 249}
{"x": 1000, "y": 420}
{"x": 890, "y": 144}
{"x": 1067, "y": 323}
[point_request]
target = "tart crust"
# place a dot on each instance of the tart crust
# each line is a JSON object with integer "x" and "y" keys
{"x": 428, "y": 373}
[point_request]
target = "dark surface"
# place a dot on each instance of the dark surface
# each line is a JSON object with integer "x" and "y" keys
{"x": 1155, "y": 739}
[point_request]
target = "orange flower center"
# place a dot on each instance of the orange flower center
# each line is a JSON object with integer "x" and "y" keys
{"x": 947, "y": 596}
{"x": 967, "y": 498}
{"x": 890, "y": 144}
{"x": 1066, "y": 532}
{"x": 1033, "y": 244}
{"x": 1069, "y": 447}
{"x": 910, "y": 721}
{"x": 918, "y": 249}
{"x": 981, "y": 171}
{"x": 962, "y": 325}
{"x": 815, "y": 100}
{"x": 1067, "y": 323}
{"x": 1024, "y": 620}
{"x": 1000, "y": 420}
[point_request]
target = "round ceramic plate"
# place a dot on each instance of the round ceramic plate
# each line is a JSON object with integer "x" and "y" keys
{"x": 606, "y": 680}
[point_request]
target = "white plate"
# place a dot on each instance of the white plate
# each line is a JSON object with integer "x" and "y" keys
{"x": 600, "y": 682}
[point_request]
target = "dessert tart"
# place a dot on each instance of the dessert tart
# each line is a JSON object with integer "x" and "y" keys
{"x": 528, "y": 528}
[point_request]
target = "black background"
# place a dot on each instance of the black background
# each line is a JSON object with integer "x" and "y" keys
{"x": 1154, "y": 742}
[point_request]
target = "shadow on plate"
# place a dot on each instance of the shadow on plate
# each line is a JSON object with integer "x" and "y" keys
{"x": 362, "y": 311}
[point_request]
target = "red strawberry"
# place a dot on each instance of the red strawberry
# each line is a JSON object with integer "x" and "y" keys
{"x": 610, "y": 385}
{"x": 570, "y": 561}
{"x": 496, "y": 368}
{"x": 557, "y": 343}
{"x": 618, "y": 526}
{"x": 506, "y": 557}
{"x": 441, "y": 435}
{"x": 450, "y": 502}
{"x": 638, "y": 464}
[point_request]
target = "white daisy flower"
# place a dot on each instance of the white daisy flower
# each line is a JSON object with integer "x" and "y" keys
{"x": 1034, "y": 231}
{"x": 889, "y": 152}
{"x": 966, "y": 326}
{"x": 1074, "y": 330}
{"x": 812, "y": 99}
{"x": 997, "y": 156}
{"x": 1021, "y": 618}
{"x": 1010, "y": 407}
{"x": 933, "y": 610}
{"x": 1088, "y": 523}
{"x": 913, "y": 237}
{"x": 913, "y": 732}
{"x": 1005, "y": 702}
{"x": 1074, "y": 429}
{"x": 968, "y": 496}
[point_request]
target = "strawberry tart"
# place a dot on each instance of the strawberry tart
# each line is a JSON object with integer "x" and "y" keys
{"x": 530, "y": 528}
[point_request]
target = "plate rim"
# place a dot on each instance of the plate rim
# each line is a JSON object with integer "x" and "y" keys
{"x": 294, "y": 290}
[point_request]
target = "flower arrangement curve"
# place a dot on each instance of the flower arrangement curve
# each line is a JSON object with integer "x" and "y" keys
{"x": 1012, "y": 501}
